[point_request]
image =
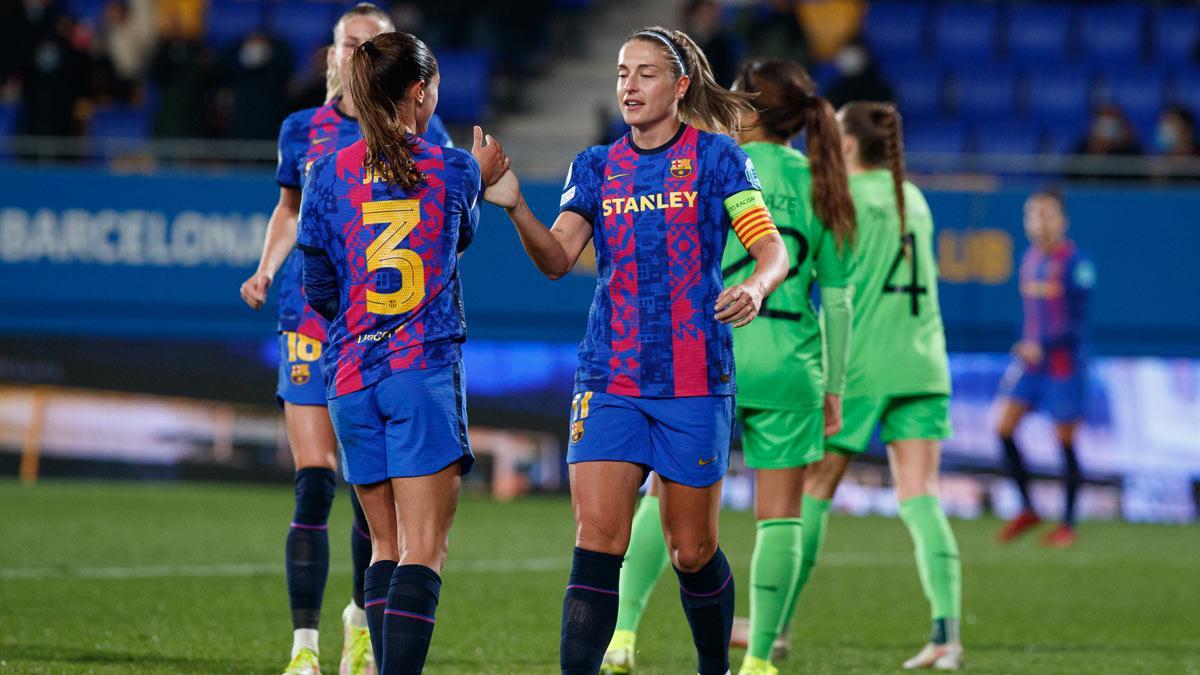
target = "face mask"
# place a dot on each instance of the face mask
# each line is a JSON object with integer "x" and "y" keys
{"x": 1107, "y": 128}
{"x": 851, "y": 61}
{"x": 255, "y": 53}
{"x": 48, "y": 58}
{"x": 1166, "y": 138}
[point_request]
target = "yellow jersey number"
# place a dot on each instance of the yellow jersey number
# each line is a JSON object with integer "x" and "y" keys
{"x": 401, "y": 217}
{"x": 302, "y": 348}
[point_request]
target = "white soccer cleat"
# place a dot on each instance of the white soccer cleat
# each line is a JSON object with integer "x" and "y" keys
{"x": 740, "y": 639}
{"x": 357, "y": 656}
{"x": 939, "y": 657}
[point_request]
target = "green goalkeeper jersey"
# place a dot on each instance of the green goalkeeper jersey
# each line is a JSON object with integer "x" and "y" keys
{"x": 900, "y": 344}
{"x": 778, "y": 355}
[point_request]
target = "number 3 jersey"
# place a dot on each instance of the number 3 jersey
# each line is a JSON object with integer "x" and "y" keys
{"x": 660, "y": 218}
{"x": 392, "y": 262}
{"x": 899, "y": 343}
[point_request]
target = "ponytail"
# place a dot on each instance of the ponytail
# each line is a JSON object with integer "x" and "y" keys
{"x": 706, "y": 105}
{"x": 786, "y": 102}
{"x": 878, "y": 128}
{"x": 333, "y": 77}
{"x": 381, "y": 71}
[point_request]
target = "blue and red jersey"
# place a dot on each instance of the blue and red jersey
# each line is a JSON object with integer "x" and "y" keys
{"x": 659, "y": 228}
{"x": 1054, "y": 291}
{"x": 390, "y": 262}
{"x": 304, "y": 137}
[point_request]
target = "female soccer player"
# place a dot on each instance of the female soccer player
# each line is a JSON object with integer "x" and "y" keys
{"x": 1049, "y": 370}
{"x": 786, "y": 403}
{"x": 655, "y": 380}
{"x": 898, "y": 375}
{"x": 305, "y": 136}
{"x": 381, "y": 225}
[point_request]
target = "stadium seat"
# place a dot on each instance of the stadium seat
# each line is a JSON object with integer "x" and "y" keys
{"x": 1141, "y": 93}
{"x": 1187, "y": 91}
{"x": 10, "y": 113}
{"x": 966, "y": 32}
{"x": 1007, "y": 138}
{"x": 1175, "y": 35}
{"x": 986, "y": 93}
{"x": 919, "y": 87}
{"x": 466, "y": 75}
{"x": 305, "y": 26}
{"x": 119, "y": 129}
{"x": 87, "y": 11}
{"x": 230, "y": 20}
{"x": 941, "y": 137}
{"x": 897, "y": 29}
{"x": 1040, "y": 34}
{"x": 1112, "y": 33}
{"x": 1061, "y": 98}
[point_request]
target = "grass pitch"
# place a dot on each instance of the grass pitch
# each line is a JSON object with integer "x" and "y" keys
{"x": 166, "y": 578}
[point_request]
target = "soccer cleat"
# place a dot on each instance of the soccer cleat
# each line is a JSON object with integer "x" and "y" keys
{"x": 1017, "y": 526}
{"x": 939, "y": 657}
{"x": 357, "y": 655}
{"x": 618, "y": 659}
{"x": 1060, "y": 537}
{"x": 740, "y": 639}
{"x": 754, "y": 666}
{"x": 305, "y": 662}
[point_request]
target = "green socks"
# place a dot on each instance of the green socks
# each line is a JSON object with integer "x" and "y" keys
{"x": 645, "y": 561}
{"x": 937, "y": 562}
{"x": 774, "y": 571}
{"x": 815, "y": 513}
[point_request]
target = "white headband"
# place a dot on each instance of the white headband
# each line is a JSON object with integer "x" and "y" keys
{"x": 670, "y": 45}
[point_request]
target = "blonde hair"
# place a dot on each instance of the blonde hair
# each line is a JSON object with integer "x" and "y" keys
{"x": 333, "y": 79}
{"x": 706, "y": 105}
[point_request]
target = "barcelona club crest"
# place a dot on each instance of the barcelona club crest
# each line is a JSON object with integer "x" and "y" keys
{"x": 300, "y": 373}
{"x": 682, "y": 167}
{"x": 577, "y": 431}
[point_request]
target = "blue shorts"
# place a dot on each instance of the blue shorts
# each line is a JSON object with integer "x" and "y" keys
{"x": 1062, "y": 398}
{"x": 411, "y": 423}
{"x": 300, "y": 379}
{"x": 685, "y": 440}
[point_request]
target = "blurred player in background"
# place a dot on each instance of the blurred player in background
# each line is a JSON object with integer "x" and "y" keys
{"x": 304, "y": 137}
{"x": 785, "y": 401}
{"x": 654, "y": 388}
{"x": 1049, "y": 371}
{"x": 381, "y": 225}
{"x": 899, "y": 373}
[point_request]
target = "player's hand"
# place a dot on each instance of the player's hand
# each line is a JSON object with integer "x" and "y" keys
{"x": 833, "y": 414}
{"x": 739, "y": 304}
{"x": 490, "y": 155}
{"x": 1029, "y": 352}
{"x": 254, "y": 289}
{"x": 505, "y": 192}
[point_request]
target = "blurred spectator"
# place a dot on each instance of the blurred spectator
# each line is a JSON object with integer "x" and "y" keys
{"x": 771, "y": 29}
{"x": 1175, "y": 135}
{"x": 182, "y": 17}
{"x": 17, "y": 36}
{"x": 702, "y": 21}
{"x": 859, "y": 78}
{"x": 1109, "y": 134}
{"x": 54, "y": 79}
{"x": 310, "y": 87}
{"x": 182, "y": 69}
{"x": 830, "y": 24}
{"x": 127, "y": 36}
{"x": 257, "y": 74}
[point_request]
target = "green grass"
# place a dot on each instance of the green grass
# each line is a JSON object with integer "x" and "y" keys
{"x": 1124, "y": 600}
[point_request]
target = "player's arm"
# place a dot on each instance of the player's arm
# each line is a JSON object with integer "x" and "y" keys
{"x": 755, "y": 228}
{"x": 281, "y": 237}
{"x": 554, "y": 250}
{"x": 833, "y": 271}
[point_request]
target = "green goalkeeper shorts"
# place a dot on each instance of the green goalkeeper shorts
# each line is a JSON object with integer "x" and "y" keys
{"x": 782, "y": 439}
{"x": 924, "y": 417}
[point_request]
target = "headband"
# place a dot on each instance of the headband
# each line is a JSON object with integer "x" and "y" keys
{"x": 670, "y": 45}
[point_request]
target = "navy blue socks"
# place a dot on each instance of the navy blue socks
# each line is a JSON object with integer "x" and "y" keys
{"x": 307, "y": 551}
{"x": 1016, "y": 469}
{"x": 708, "y": 602}
{"x": 360, "y": 547}
{"x": 1072, "y": 479}
{"x": 589, "y": 611}
{"x": 408, "y": 623}
{"x": 377, "y": 579}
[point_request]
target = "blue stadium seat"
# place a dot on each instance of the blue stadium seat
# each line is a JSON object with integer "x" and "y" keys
{"x": 943, "y": 137}
{"x": 466, "y": 77}
{"x": 120, "y": 121}
{"x": 1175, "y": 34}
{"x": 999, "y": 138}
{"x": 897, "y": 29}
{"x": 919, "y": 87}
{"x": 1039, "y": 34}
{"x": 87, "y": 11}
{"x": 1141, "y": 93}
{"x": 305, "y": 26}
{"x": 966, "y": 32}
{"x": 1060, "y": 97}
{"x": 10, "y": 113}
{"x": 1112, "y": 33}
{"x": 987, "y": 92}
{"x": 230, "y": 20}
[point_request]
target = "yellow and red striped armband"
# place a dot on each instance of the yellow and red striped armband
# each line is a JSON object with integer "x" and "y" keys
{"x": 751, "y": 219}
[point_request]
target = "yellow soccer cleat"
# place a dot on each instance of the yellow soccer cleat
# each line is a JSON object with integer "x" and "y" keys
{"x": 938, "y": 657}
{"x": 618, "y": 660}
{"x": 756, "y": 666}
{"x": 305, "y": 662}
{"x": 357, "y": 656}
